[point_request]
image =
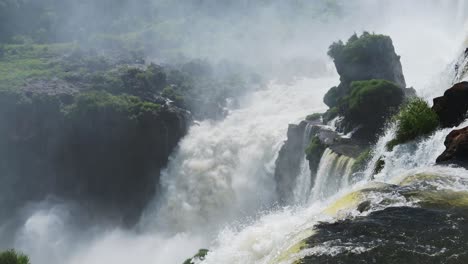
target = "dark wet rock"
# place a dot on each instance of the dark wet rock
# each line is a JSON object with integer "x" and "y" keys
{"x": 368, "y": 106}
{"x": 340, "y": 145}
{"x": 456, "y": 151}
{"x": 453, "y": 105}
{"x": 394, "y": 235}
{"x": 309, "y": 139}
{"x": 364, "y": 206}
{"x": 288, "y": 163}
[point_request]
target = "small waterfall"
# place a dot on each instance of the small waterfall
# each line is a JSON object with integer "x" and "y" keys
{"x": 303, "y": 181}
{"x": 333, "y": 173}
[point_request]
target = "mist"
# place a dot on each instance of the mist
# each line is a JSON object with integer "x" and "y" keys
{"x": 285, "y": 42}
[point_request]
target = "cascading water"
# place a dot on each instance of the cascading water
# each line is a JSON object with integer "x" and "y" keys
{"x": 333, "y": 173}
{"x": 223, "y": 170}
{"x": 276, "y": 237}
{"x": 303, "y": 181}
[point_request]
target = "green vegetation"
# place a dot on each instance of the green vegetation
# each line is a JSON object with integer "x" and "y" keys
{"x": 313, "y": 117}
{"x": 332, "y": 97}
{"x": 330, "y": 114}
{"x": 362, "y": 160}
{"x": 13, "y": 257}
{"x": 366, "y": 57}
{"x": 362, "y": 49}
{"x": 370, "y": 103}
{"x": 314, "y": 150}
{"x": 371, "y": 98}
{"x": 415, "y": 119}
{"x": 199, "y": 256}
{"x": 96, "y": 103}
{"x": 371, "y": 82}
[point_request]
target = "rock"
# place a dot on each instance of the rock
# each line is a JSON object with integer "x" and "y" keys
{"x": 369, "y": 56}
{"x": 102, "y": 151}
{"x": 364, "y": 206}
{"x": 289, "y": 160}
{"x": 453, "y": 105}
{"x": 456, "y": 151}
{"x": 367, "y": 107}
{"x": 370, "y": 62}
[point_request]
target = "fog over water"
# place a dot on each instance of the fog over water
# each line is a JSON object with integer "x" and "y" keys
{"x": 218, "y": 190}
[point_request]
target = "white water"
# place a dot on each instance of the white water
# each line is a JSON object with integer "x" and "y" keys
{"x": 333, "y": 174}
{"x": 303, "y": 181}
{"x": 223, "y": 171}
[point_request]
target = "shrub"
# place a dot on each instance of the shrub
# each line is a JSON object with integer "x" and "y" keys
{"x": 13, "y": 257}
{"x": 330, "y": 114}
{"x": 313, "y": 117}
{"x": 415, "y": 119}
{"x": 199, "y": 256}
{"x": 315, "y": 147}
{"x": 369, "y": 104}
{"x": 331, "y": 98}
{"x": 95, "y": 104}
{"x": 171, "y": 93}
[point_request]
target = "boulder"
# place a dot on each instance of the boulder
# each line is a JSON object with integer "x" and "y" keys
{"x": 453, "y": 105}
{"x": 369, "y": 56}
{"x": 456, "y": 151}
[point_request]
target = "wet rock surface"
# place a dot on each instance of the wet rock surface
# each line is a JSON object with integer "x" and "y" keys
{"x": 456, "y": 151}
{"x": 453, "y": 105}
{"x": 393, "y": 235}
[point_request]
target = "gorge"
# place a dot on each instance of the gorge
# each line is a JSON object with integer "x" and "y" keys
{"x": 327, "y": 132}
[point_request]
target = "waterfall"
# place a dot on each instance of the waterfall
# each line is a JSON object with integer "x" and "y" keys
{"x": 223, "y": 170}
{"x": 333, "y": 173}
{"x": 304, "y": 180}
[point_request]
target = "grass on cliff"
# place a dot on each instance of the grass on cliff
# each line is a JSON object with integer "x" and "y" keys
{"x": 13, "y": 257}
{"x": 415, "y": 119}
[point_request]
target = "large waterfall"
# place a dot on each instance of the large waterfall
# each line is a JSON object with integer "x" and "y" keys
{"x": 218, "y": 190}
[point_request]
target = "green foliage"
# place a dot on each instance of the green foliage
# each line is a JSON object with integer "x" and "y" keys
{"x": 315, "y": 148}
{"x": 415, "y": 119}
{"x": 332, "y": 97}
{"x": 13, "y": 257}
{"x": 361, "y": 49}
{"x": 362, "y": 160}
{"x": 93, "y": 104}
{"x": 199, "y": 256}
{"x": 314, "y": 116}
{"x": 370, "y": 102}
{"x": 171, "y": 93}
{"x": 330, "y": 114}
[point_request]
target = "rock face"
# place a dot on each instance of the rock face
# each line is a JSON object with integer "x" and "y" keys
{"x": 453, "y": 105}
{"x": 371, "y": 85}
{"x": 369, "y": 56}
{"x": 456, "y": 151}
{"x": 102, "y": 151}
{"x": 367, "y": 107}
{"x": 309, "y": 139}
{"x": 288, "y": 163}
